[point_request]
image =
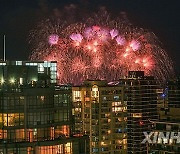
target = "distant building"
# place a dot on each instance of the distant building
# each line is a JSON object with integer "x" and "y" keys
{"x": 101, "y": 112}
{"x": 169, "y": 120}
{"x": 169, "y": 144}
{"x": 173, "y": 98}
{"x": 141, "y": 96}
{"x": 36, "y": 113}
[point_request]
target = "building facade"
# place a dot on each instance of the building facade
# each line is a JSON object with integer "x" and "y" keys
{"x": 141, "y": 96}
{"x": 116, "y": 115}
{"x": 169, "y": 121}
{"x": 167, "y": 138}
{"x": 35, "y": 113}
{"x": 101, "y": 113}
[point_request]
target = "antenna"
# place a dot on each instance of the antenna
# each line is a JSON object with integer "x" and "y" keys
{"x": 4, "y": 56}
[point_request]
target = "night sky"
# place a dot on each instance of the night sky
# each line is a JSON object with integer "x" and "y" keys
{"x": 18, "y": 17}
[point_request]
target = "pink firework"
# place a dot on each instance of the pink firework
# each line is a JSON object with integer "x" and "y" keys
{"x": 76, "y": 37}
{"x": 113, "y": 33}
{"x": 135, "y": 45}
{"x": 100, "y": 49}
{"x": 53, "y": 39}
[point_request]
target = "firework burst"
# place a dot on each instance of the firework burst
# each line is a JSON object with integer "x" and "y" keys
{"x": 99, "y": 48}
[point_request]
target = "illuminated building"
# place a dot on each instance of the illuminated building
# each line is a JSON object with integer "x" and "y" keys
{"x": 101, "y": 113}
{"x": 174, "y": 98}
{"x": 115, "y": 115}
{"x": 169, "y": 145}
{"x": 35, "y": 113}
{"x": 169, "y": 119}
{"x": 141, "y": 96}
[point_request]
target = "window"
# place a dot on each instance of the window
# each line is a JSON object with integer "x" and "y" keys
{"x": 95, "y": 149}
{"x": 117, "y": 107}
{"x": 61, "y": 115}
{"x": 104, "y": 98}
{"x": 38, "y": 118}
{"x": 116, "y": 98}
{"x": 2, "y": 64}
{"x": 137, "y": 115}
{"x": 13, "y": 119}
{"x": 62, "y": 100}
{"x": 76, "y": 95}
{"x": 20, "y": 135}
{"x": 40, "y": 67}
{"x": 62, "y": 131}
{"x": 95, "y": 91}
{"x": 18, "y": 62}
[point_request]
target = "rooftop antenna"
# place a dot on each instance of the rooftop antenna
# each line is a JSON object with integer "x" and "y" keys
{"x": 4, "y": 55}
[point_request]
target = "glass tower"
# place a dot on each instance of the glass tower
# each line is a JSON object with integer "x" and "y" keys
{"x": 35, "y": 113}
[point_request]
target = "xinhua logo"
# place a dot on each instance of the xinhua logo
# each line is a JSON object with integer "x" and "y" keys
{"x": 162, "y": 137}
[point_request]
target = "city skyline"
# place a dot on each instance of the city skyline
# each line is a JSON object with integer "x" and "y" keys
{"x": 89, "y": 77}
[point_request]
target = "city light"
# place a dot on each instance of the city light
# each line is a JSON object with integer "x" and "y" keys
{"x": 12, "y": 80}
{"x": 34, "y": 79}
{"x": 2, "y": 80}
{"x": 97, "y": 79}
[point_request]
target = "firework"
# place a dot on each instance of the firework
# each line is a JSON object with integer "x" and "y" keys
{"x": 53, "y": 39}
{"x": 99, "y": 48}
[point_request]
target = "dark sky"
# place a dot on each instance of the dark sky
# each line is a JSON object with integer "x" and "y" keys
{"x": 18, "y": 17}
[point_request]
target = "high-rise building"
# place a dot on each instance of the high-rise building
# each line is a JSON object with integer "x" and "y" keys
{"x": 173, "y": 97}
{"x": 101, "y": 113}
{"x": 36, "y": 113}
{"x": 141, "y": 96}
{"x": 115, "y": 115}
{"x": 169, "y": 120}
{"x": 169, "y": 144}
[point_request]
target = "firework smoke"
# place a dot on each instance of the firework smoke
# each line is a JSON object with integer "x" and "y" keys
{"x": 99, "y": 48}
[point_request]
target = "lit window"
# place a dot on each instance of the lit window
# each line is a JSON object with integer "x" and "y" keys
{"x": 41, "y": 68}
{"x": 59, "y": 148}
{"x": 170, "y": 141}
{"x": 21, "y": 81}
{"x": 21, "y": 97}
{"x": 42, "y": 98}
{"x": 2, "y": 64}
{"x": 104, "y": 98}
{"x": 78, "y": 109}
{"x": 116, "y": 103}
{"x": 95, "y": 91}
{"x": 119, "y": 119}
{"x": 13, "y": 119}
{"x": 18, "y": 62}
{"x": 12, "y": 80}
{"x": 87, "y": 99}
{"x": 117, "y": 109}
{"x": 2, "y": 80}
{"x": 137, "y": 115}
{"x": 103, "y": 143}
{"x": 68, "y": 148}
{"x": 116, "y": 98}
{"x": 76, "y": 96}
{"x": 124, "y": 141}
{"x": 119, "y": 141}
